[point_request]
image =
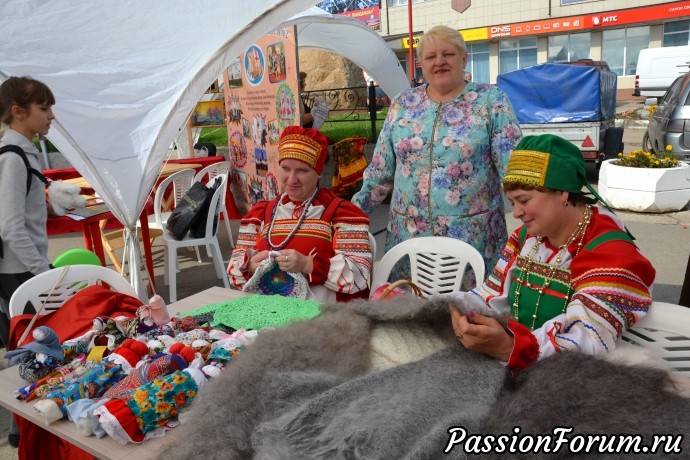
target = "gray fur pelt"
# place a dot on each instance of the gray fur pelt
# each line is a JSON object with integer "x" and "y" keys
{"x": 331, "y": 349}
{"x": 307, "y": 391}
{"x": 593, "y": 396}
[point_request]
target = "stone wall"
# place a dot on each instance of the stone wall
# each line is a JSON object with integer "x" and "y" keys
{"x": 327, "y": 70}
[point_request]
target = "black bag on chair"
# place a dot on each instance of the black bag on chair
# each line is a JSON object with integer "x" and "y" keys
{"x": 190, "y": 213}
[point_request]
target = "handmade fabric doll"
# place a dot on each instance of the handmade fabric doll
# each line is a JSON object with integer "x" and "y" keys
{"x": 151, "y": 409}
{"x": 94, "y": 383}
{"x": 38, "y": 358}
{"x": 81, "y": 412}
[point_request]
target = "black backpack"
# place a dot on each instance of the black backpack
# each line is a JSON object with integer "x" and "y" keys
{"x": 31, "y": 171}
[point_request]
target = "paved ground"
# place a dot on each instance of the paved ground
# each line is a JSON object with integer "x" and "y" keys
{"x": 663, "y": 238}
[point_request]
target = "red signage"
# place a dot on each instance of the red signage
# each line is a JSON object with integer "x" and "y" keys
{"x": 635, "y": 15}
{"x": 605, "y": 19}
{"x": 370, "y": 16}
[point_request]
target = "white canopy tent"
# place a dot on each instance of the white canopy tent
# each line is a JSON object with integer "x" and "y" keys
{"x": 126, "y": 74}
{"x": 353, "y": 39}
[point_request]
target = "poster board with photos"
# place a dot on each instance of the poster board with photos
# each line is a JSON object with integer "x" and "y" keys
{"x": 261, "y": 99}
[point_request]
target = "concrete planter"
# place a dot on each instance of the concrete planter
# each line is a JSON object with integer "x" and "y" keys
{"x": 645, "y": 189}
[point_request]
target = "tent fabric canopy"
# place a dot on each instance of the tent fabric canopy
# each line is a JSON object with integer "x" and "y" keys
{"x": 356, "y": 41}
{"x": 126, "y": 74}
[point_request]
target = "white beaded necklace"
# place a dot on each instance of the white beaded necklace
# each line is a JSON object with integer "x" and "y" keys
{"x": 307, "y": 205}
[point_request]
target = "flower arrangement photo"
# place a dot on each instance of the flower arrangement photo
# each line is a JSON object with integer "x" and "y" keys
{"x": 648, "y": 159}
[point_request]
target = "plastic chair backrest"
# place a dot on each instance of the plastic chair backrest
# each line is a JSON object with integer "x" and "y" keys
{"x": 437, "y": 263}
{"x": 182, "y": 182}
{"x": 665, "y": 333}
{"x": 76, "y": 256}
{"x": 212, "y": 170}
{"x": 37, "y": 290}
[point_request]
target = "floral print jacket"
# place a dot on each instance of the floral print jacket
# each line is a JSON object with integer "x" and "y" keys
{"x": 444, "y": 163}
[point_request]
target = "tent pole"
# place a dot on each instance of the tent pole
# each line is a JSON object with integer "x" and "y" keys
{"x": 409, "y": 26}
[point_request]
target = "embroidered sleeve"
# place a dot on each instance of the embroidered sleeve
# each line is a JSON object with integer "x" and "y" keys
{"x": 611, "y": 292}
{"x": 378, "y": 177}
{"x": 350, "y": 267}
{"x": 494, "y": 289}
{"x": 250, "y": 227}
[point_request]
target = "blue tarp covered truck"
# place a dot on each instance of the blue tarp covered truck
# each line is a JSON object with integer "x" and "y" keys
{"x": 576, "y": 102}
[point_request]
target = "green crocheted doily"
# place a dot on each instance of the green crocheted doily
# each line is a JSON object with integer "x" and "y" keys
{"x": 259, "y": 311}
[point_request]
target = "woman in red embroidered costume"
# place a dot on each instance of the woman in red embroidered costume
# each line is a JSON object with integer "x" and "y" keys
{"x": 307, "y": 229}
{"x": 570, "y": 277}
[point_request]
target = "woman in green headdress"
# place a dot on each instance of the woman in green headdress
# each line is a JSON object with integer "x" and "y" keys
{"x": 570, "y": 277}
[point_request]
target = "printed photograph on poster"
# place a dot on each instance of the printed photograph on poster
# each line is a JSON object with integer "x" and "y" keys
{"x": 256, "y": 190}
{"x": 276, "y": 62}
{"x": 254, "y": 65}
{"x": 261, "y": 161}
{"x": 273, "y": 132}
{"x": 237, "y": 149}
{"x": 259, "y": 131}
{"x": 233, "y": 107}
{"x": 285, "y": 106}
{"x": 246, "y": 128}
{"x": 271, "y": 186}
{"x": 239, "y": 186}
{"x": 235, "y": 73}
{"x": 209, "y": 113}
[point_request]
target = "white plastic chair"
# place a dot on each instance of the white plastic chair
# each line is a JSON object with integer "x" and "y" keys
{"x": 437, "y": 263}
{"x": 181, "y": 182}
{"x": 665, "y": 333}
{"x": 37, "y": 290}
{"x": 213, "y": 170}
{"x": 210, "y": 240}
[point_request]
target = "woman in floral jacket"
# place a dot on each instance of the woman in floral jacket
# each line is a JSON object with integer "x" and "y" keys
{"x": 443, "y": 152}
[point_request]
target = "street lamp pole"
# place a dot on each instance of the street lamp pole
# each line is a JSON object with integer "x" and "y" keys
{"x": 409, "y": 26}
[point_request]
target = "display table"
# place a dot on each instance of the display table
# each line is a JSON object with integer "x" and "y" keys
{"x": 92, "y": 233}
{"x": 106, "y": 447}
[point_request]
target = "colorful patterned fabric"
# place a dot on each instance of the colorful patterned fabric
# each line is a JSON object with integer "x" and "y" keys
{"x": 611, "y": 290}
{"x": 162, "y": 399}
{"x": 444, "y": 164}
{"x": 349, "y": 164}
{"x": 343, "y": 255}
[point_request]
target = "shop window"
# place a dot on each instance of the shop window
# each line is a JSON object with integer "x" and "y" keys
{"x": 516, "y": 54}
{"x": 393, "y": 3}
{"x": 677, "y": 33}
{"x": 478, "y": 61}
{"x": 620, "y": 48}
{"x": 571, "y": 47}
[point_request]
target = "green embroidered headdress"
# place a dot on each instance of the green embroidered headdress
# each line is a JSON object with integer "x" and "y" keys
{"x": 547, "y": 161}
{"x": 552, "y": 162}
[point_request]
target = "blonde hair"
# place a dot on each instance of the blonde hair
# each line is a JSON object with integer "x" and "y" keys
{"x": 442, "y": 33}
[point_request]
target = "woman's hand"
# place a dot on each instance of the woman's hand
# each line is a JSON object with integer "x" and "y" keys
{"x": 255, "y": 261}
{"x": 292, "y": 261}
{"x": 483, "y": 334}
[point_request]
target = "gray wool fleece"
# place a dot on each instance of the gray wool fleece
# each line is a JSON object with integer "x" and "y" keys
{"x": 22, "y": 217}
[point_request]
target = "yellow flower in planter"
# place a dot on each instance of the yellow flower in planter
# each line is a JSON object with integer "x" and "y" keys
{"x": 643, "y": 159}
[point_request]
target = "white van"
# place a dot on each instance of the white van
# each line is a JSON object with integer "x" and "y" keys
{"x": 657, "y": 68}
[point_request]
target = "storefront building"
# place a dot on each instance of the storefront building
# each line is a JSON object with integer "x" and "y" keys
{"x": 506, "y": 35}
